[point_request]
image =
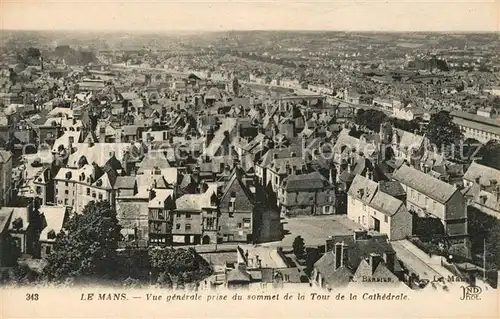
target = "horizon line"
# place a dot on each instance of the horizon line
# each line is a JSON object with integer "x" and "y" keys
{"x": 250, "y": 30}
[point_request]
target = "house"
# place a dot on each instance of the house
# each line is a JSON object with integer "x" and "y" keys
{"x": 7, "y": 245}
{"x": 306, "y": 194}
{"x": 407, "y": 146}
{"x": 408, "y": 113}
{"x": 53, "y": 218}
{"x": 195, "y": 217}
{"x": 428, "y": 196}
{"x": 43, "y": 185}
{"x": 132, "y": 208}
{"x": 377, "y": 210}
{"x": 359, "y": 258}
{"x": 237, "y": 207}
{"x": 161, "y": 204}
{"x": 477, "y": 127}
{"x": 482, "y": 188}
{"x": 6, "y": 177}
{"x": 76, "y": 187}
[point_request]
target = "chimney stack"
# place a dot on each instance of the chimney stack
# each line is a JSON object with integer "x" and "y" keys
{"x": 338, "y": 255}
{"x": 345, "y": 255}
{"x": 374, "y": 261}
{"x": 389, "y": 259}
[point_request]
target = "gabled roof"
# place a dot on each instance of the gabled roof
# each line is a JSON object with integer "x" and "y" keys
{"x": 485, "y": 174}
{"x": 363, "y": 189}
{"x": 425, "y": 184}
{"x": 125, "y": 182}
{"x": 314, "y": 180}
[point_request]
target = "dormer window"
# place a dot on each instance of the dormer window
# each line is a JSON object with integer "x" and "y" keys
{"x": 99, "y": 183}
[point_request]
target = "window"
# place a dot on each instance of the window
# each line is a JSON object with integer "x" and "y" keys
{"x": 38, "y": 190}
{"x": 246, "y": 222}
{"x": 100, "y": 196}
{"x": 178, "y": 215}
{"x": 48, "y": 250}
{"x": 188, "y": 215}
{"x": 210, "y": 223}
{"x": 57, "y": 191}
{"x": 386, "y": 219}
{"x": 233, "y": 194}
{"x": 66, "y": 192}
{"x": 93, "y": 195}
{"x": 161, "y": 215}
{"x": 239, "y": 225}
{"x": 66, "y": 202}
{"x": 88, "y": 191}
{"x": 177, "y": 226}
{"x": 66, "y": 184}
{"x": 188, "y": 227}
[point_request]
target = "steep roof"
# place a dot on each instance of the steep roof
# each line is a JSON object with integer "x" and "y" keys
{"x": 385, "y": 203}
{"x": 485, "y": 174}
{"x": 309, "y": 181}
{"x": 363, "y": 189}
{"x": 424, "y": 183}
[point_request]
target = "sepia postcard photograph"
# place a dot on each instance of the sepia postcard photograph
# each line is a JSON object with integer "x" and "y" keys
{"x": 249, "y": 159}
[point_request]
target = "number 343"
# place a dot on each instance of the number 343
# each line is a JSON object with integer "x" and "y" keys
{"x": 31, "y": 297}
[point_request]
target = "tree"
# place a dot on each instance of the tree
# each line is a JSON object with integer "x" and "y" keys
{"x": 87, "y": 247}
{"x": 479, "y": 226}
{"x": 184, "y": 264}
{"x": 490, "y": 154}
{"x": 442, "y": 131}
{"x": 299, "y": 248}
{"x": 370, "y": 118}
{"x": 492, "y": 247}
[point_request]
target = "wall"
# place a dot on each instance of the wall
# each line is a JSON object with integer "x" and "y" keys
{"x": 401, "y": 224}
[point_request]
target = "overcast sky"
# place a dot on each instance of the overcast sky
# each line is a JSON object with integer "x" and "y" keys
{"x": 401, "y": 15}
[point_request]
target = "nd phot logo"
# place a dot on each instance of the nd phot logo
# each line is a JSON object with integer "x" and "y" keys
{"x": 471, "y": 293}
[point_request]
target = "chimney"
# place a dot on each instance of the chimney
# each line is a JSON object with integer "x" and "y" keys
{"x": 369, "y": 174}
{"x": 374, "y": 260}
{"x": 338, "y": 255}
{"x": 345, "y": 255}
{"x": 333, "y": 175}
{"x": 360, "y": 234}
{"x": 389, "y": 259}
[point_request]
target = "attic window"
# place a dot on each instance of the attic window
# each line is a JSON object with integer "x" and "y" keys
{"x": 51, "y": 234}
{"x": 68, "y": 175}
{"x": 99, "y": 183}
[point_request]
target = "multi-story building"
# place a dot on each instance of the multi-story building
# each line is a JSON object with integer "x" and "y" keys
{"x": 374, "y": 209}
{"x": 477, "y": 127}
{"x": 161, "y": 204}
{"x": 306, "y": 194}
{"x": 6, "y": 177}
{"x": 77, "y": 187}
{"x": 428, "y": 196}
{"x": 195, "y": 217}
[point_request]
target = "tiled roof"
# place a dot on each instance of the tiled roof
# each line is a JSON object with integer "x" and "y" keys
{"x": 385, "y": 203}
{"x": 424, "y": 183}
{"x": 125, "y": 182}
{"x": 314, "y": 180}
{"x": 484, "y": 173}
{"x": 363, "y": 189}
